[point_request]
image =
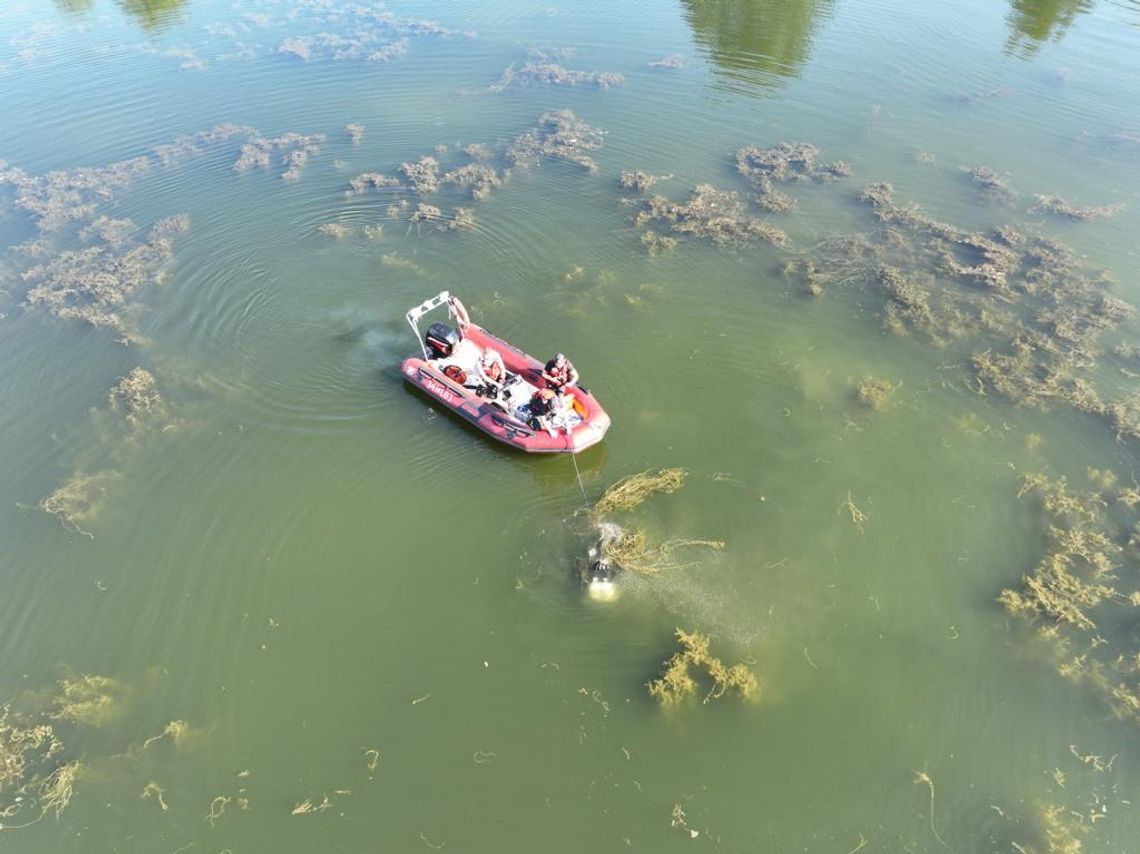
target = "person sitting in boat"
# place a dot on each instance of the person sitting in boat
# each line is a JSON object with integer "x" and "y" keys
{"x": 560, "y": 373}
{"x": 549, "y": 408}
{"x": 491, "y": 373}
{"x": 543, "y": 406}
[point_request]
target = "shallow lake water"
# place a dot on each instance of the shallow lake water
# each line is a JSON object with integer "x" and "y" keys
{"x": 342, "y": 596}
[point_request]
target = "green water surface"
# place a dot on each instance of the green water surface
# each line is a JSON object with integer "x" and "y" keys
{"x": 312, "y": 561}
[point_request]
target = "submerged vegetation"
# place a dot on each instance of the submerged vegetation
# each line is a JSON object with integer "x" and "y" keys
{"x": 1078, "y": 586}
{"x": 875, "y": 393}
{"x": 36, "y": 778}
{"x": 631, "y": 491}
{"x": 88, "y": 699}
{"x": 1061, "y": 207}
{"x": 676, "y": 681}
{"x": 631, "y": 549}
{"x": 292, "y": 151}
{"x": 558, "y": 135}
{"x": 715, "y": 215}
{"x": 135, "y": 411}
{"x": 722, "y": 216}
{"x": 1030, "y": 308}
{"x": 94, "y": 284}
{"x": 543, "y": 69}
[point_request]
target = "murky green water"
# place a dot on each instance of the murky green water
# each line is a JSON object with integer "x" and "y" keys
{"x": 304, "y": 561}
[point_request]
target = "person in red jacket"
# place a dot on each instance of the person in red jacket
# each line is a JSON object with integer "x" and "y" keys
{"x": 560, "y": 373}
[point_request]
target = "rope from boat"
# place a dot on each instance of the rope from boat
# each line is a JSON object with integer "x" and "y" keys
{"x": 578, "y": 474}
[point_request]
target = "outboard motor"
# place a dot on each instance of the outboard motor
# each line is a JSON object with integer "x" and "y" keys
{"x": 441, "y": 340}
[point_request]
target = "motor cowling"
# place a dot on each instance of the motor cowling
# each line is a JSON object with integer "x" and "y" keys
{"x": 441, "y": 340}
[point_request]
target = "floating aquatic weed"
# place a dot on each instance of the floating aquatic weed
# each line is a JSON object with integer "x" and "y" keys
{"x": 786, "y": 162}
{"x": 426, "y": 213}
{"x": 1077, "y": 581}
{"x": 135, "y": 411}
{"x": 676, "y": 681}
{"x": 423, "y": 174}
{"x": 217, "y": 808}
{"x": 391, "y": 259}
{"x": 461, "y": 218}
{"x": 542, "y": 71}
{"x": 1039, "y": 309}
{"x": 1059, "y": 206}
{"x": 632, "y": 551}
{"x": 922, "y": 778}
{"x": 991, "y": 186}
{"x": 95, "y": 283}
{"x": 1059, "y": 833}
{"x": 345, "y": 33}
{"x": 374, "y": 231}
{"x": 19, "y": 743}
{"x": 195, "y": 144}
{"x": 672, "y": 61}
{"x": 559, "y": 135}
{"x": 1103, "y": 478}
{"x": 137, "y": 395}
{"x": 153, "y": 790}
{"x": 874, "y": 392}
{"x": 711, "y": 214}
{"x": 477, "y": 151}
{"x": 361, "y": 46}
{"x": 31, "y": 775}
{"x": 62, "y": 197}
{"x": 335, "y": 230}
{"x": 657, "y": 244}
{"x": 858, "y": 517}
{"x": 54, "y": 793}
{"x": 908, "y": 304}
{"x": 88, "y": 699}
{"x": 177, "y": 731}
{"x": 79, "y": 500}
{"x": 371, "y": 760}
{"x": 639, "y": 181}
{"x": 370, "y": 180}
{"x": 479, "y": 178}
{"x": 355, "y": 133}
{"x": 307, "y": 807}
{"x": 631, "y": 491}
{"x": 114, "y": 232}
{"x": 293, "y": 149}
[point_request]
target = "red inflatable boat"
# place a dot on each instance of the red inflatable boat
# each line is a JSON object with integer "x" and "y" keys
{"x": 449, "y": 372}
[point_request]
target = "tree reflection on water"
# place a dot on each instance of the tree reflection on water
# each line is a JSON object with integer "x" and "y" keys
{"x": 758, "y": 42}
{"x": 73, "y": 7}
{"x": 1034, "y": 22}
{"x": 151, "y": 15}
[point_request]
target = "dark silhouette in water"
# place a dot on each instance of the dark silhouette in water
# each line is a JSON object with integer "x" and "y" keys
{"x": 152, "y": 15}
{"x": 1034, "y": 22}
{"x": 756, "y": 41}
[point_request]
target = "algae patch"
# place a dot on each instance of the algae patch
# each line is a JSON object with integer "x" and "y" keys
{"x": 88, "y": 699}
{"x": 874, "y": 392}
{"x": 676, "y": 682}
{"x": 1076, "y": 596}
{"x": 34, "y": 777}
{"x": 631, "y": 491}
